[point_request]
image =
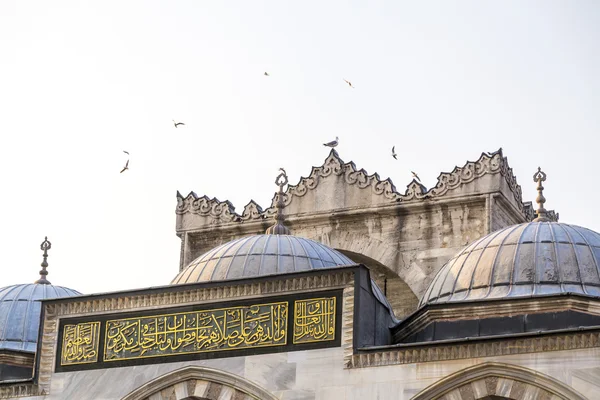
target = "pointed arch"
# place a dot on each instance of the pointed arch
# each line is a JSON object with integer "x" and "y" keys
{"x": 195, "y": 382}
{"x": 484, "y": 381}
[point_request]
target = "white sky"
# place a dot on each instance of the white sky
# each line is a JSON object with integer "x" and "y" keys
{"x": 443, "y": 81}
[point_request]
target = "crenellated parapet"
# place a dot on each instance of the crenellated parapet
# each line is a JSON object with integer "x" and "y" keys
{"x": 337, "y": 185}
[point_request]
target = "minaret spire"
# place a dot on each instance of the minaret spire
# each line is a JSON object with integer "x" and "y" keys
{"x": 46, "y": 245}
{"x": 542, "y": 213}
{"x": 279, "y": 228}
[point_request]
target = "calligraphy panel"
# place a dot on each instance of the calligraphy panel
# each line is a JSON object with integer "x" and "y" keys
{"x": 314, "y": 320}
{"x": 80, "y": 343}
{"x": 259, "y": 325}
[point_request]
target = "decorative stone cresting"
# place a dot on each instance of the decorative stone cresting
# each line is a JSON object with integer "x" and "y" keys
{"x": 488, "y": 163}
{"x": 199, "y": 382}
{"x": 498, "y": 379}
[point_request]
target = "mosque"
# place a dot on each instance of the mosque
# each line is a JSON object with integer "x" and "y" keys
{"x": 344, "y": 288}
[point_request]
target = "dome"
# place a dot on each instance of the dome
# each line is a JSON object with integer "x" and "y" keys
{"x": 261, "y": 255}
{"x": 20, "y": 309}
{"x": 530, "y": 259}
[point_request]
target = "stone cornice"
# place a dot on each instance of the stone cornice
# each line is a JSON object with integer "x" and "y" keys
{"x": 476, "y": 348}
{"x": 223, "y": 212}
{"x": 493, "y": 308}
{"x": 258, "y": 226}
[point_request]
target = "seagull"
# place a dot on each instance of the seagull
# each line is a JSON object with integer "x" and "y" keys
{"x": 126, "y": 167}
{"x": 414, "y": 174}
{"x": 349, "y": 83}
{"x": 267, "y": 74}
{"x": 394, "y": 153}
{"x": 126, "y": 152}
{"x": 332, "y": 143}
{"x": 177, "y": 123}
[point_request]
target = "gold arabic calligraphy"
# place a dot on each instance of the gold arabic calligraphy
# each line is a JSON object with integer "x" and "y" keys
{"x": 231, "y": 328}
{"x": 314, "y": 320}
{"x": 80, "y": 343}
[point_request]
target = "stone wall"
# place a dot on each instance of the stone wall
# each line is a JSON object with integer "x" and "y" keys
{"x": 320, "y": 375}
{"x": 405, "y": 238}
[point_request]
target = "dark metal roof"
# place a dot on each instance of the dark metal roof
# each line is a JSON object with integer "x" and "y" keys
{"x": 261, "y": 255}
{"x": 266, "y": 255}
{"x": 530, "y": 259}
{"x": 20, "y": 309}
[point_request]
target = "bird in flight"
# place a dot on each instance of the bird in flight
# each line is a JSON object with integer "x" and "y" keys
{"x": 126, "y": 167}
{"x": 333, "y": 143}
{"x": 394, "y": 153}
{"x": 283, "y": 170}
{"x": 414, "y": 174}
{"x": 177, "y": 123}
{"x": 349, "y": 83}
{"x": 126, "y": 152}
{"x": 267, "y": 74}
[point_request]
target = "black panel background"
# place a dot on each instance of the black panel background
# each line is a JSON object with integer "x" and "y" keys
{"x": 206, "y": 355}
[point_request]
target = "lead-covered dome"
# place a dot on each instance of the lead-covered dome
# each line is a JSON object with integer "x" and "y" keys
{"x": 530, "y": 259}
{"x": 20, "y": 309}
{"x": 261, "y": 255}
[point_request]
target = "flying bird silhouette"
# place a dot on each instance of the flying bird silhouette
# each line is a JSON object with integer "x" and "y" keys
{"x": 414, "y": 174}
{"x": 267, "y": 74}
{"x": 283, "y": 170}
{"x": 333, "y": 143}
{"x": 126, "y": 167}
{"x": 349, "y": 83}
{"x": 394, "y": 153}
{"x": 177, "y": 123}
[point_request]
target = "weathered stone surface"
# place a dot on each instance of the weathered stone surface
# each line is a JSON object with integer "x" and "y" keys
{"x": 404, "y": 238}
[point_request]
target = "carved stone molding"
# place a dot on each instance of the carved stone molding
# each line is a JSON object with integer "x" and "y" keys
{"x": 498, "y": 379}
{"x": 457, "y": 349}
{"x": 200, "y": 382}
{"x": 16, "y": 390}
{"x": 348, "y": 325}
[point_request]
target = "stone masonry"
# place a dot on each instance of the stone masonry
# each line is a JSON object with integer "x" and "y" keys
{"x": 403, "y": 238}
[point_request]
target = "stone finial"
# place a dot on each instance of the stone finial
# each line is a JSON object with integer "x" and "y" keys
{"x": 542, "y": 213}
{"x": 46, "y": 245}
{"x": 279, "y": 228}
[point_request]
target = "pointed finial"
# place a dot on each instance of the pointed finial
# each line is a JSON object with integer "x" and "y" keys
{"x": 279, "y": 228}
{"x": 46, "y": 245}
{"x": 542, "y": 213}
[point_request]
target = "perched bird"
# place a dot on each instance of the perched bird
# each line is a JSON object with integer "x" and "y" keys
{"x": 267, "y": 74}
{"x": 126, "y": 167}
{"x": 349, "y": 83}
{"x": 414, "y": 174}
{"x": 394, "y": 153}
{"x": 126, "y": 152}
{"x": 177, "y": 123}
{"x": 332, "y": 143}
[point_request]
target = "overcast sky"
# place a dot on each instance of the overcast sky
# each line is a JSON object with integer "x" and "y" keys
{"x": 443, "y": 81}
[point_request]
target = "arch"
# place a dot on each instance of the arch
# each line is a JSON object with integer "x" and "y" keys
{"x": 498, "y": 381}
{"x": 384, "y": 254}
{"x": 401, "y": 297}
{"x": 199, "y": 383}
